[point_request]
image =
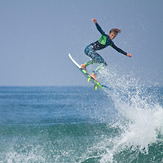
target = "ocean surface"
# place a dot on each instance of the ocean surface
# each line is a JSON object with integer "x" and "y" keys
{"x": 80, "y": 125}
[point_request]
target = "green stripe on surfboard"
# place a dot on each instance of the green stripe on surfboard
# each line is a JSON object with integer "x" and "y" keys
{"x": 89, "y": 78}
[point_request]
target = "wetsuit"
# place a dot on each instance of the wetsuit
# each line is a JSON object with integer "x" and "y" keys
{"x": 101, "y": 43}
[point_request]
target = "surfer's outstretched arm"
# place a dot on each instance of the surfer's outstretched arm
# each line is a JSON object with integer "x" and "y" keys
{"x": 98, "y": 27}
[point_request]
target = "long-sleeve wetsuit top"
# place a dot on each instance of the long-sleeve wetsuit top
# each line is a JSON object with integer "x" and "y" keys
{"x": 105, "y": 41}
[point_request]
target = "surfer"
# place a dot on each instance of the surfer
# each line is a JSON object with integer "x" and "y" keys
{"x": 104, "y": 41}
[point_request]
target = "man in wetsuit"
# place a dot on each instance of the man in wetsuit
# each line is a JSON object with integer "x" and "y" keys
{"x": 104, "y": 41}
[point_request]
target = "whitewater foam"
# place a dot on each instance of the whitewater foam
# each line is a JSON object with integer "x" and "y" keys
{"x": 141, "y": 120}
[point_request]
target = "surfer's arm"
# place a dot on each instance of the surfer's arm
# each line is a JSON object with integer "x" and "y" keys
{"x": 98, "y": 27}
{"x": 118, "y": 49}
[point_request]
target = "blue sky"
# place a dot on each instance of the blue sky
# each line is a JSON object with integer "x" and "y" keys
{"x": 37, "y": 35}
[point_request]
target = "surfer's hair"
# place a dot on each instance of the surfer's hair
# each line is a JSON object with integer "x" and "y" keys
{"x": 115, "y": 31}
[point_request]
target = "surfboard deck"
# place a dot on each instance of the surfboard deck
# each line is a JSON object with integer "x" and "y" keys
{"x": 84, "y": 72}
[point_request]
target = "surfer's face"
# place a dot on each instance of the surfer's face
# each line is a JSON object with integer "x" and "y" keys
{"x": 112, "y": 35}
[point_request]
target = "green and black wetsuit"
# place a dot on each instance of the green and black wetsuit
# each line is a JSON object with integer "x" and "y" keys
{"x": 103, "y": 42}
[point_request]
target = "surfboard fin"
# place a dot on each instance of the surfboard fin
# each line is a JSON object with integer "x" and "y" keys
{"x": 95, "y": 87}
{"x": 89, "y": 79}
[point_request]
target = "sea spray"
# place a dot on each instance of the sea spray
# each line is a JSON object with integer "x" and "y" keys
{"x": 140, "y": 120}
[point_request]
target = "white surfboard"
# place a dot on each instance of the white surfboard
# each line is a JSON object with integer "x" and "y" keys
{"x": 84, "y": 72}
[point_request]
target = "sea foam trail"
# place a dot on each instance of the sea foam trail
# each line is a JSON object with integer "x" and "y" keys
{"x": 140, "y": 116}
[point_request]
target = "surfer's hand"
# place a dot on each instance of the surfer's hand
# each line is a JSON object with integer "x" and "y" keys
{"x": 128, "y": 55}
{"x": 95, "y": 21}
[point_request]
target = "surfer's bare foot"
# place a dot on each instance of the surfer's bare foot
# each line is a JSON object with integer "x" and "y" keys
{"x": 83, "y": 66}
{"x": 93, "y": 75}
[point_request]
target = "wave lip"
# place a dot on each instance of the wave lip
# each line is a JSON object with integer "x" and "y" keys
{"x": 140, "y": 119}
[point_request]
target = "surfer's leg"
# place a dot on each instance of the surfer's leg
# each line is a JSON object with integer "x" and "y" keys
{"x": 89, "y": 52}
{"x": 97, "y": 69}
{"x": 83, "y": 66}
{"x": 96, "y": 57}
{"x": 99, "y": 60}
{"x": 90, "y": 62}
{"x": 93, "y": 75}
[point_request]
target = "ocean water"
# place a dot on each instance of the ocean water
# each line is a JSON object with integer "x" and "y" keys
{"x": 78, "y": 124}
